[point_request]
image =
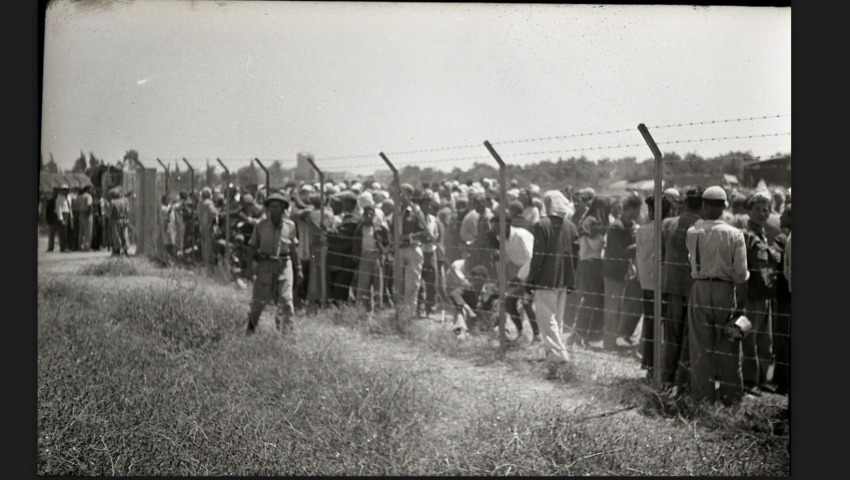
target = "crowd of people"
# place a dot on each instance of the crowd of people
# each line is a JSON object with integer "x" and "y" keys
{"x": 580, "y": 267}
{"x": 86, "y": 219}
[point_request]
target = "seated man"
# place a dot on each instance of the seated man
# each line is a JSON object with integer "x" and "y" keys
{"x": 468, "y": 294}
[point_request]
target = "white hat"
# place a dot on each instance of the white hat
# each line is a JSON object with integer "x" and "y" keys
{"x": 714, "y": 193}
{"x": 306, "y": 187}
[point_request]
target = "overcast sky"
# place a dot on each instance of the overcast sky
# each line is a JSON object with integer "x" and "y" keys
{"x": 238, "y": 80}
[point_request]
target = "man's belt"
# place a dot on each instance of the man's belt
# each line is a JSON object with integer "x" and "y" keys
{"x": 715, "y": 279}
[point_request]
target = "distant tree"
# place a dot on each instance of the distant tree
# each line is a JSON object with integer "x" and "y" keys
{"x": 51, "y": 165}
{"x": 210, "y": 177}
{"x": 80, "y": 164}
{"x": 93, "y": 162}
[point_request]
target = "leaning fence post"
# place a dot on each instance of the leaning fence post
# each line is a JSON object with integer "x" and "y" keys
{"x": 167, "y": 174}
{"x": 658, "y": 332}
{"x": 323, "y": 240}
{"x": 266, "y": 171}
{"x": 192, "y": 212}
{"x": 398, "y": 294}
{"x": 503, "y": 284}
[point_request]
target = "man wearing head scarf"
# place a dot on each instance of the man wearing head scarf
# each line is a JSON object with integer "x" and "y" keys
{"x": 551, "y": 277}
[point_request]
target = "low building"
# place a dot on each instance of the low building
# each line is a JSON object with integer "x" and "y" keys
{"x": 773, "y": 171}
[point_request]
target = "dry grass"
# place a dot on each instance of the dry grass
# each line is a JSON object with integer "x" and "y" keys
{"x": 158, "y": 378}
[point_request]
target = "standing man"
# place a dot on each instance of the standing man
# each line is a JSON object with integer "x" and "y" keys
{"x": 342, "y": 259}
{"x": 371, "y": 240}
{"x": 119, "y": 219}
{"x": 63, "y": 216}
{"x": 74, "y": 225}
{"x": 206, "y": 216}
{"x": 763, "y": 261}
{"x": 718, "y": 257}
{"x": 676, "y": 284}
{"x": 273, "y": 249}
{"x": 52, "y": 219}
{"x": 622, "y": 290}
{"x": 552, "y": 276}
{"x": 428, "y": 290}
{"x": 84, "y": 206}
{"x": 414, "y": 232}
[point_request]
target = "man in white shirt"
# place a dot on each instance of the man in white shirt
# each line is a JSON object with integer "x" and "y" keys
{"x": 718, "y": 256}
{"x": 518, "y": 248}
{"x": 63, "y": 215}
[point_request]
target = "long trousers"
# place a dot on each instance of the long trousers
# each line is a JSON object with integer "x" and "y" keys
{"x": 781, "y": 345}
{"x": 514, "y": 297}
{"x": 85, "y": 232}
{"x": 428, "y": 288}
{"x": 757, "y": 346}
{"x": 675, "y": 352}
{"x": 370, "y": 280}
{"x": 412, "y": 260}
{"x": 550, "y": 319}
{"x": 622, "y": 306}
{"x": 715, "y": 358}
{"x": 589, "y": 324}
{"x": 273, "y": 285}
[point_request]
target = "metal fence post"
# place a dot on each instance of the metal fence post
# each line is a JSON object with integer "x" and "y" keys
{"x": 657, "y": 192}
{"x": 266, "y": 171}
{"x": 323, "y": 239}
{"x": 227, "y": 207}
{"x": 397, "y": 221}
{"x": 503, "y": 238}
{"x": 167, "y": 174}
{"x": 194, "y": 207}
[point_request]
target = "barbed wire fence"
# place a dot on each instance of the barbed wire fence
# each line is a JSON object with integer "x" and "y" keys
{"x": 583, "y": 303}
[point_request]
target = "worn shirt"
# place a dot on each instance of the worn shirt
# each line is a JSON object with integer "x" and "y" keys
{"x": 274, "y": 241}
{"x": 619, "y": 250}
{"x": 519, "y": 249}
{"x": 83, "y": 203}
{"x": 763, "y": 261}
{"x": 553, "y": 259}
{"x": 434, "y": 231}
{"x": 469, "y": 227}
{"x": 206, "y": 212}
{"x": 591, "y": 239}
{"x": 368, "y": 239}
{"x": 414, "y": 231}
{"x": 645, "y": 255}
{"x": 676, "y": 267}
{"x": 63, "y": 205}
{"x": 722, "y": 251}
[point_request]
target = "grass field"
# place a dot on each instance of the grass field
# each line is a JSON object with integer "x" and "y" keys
{"x": 147, "y": 371}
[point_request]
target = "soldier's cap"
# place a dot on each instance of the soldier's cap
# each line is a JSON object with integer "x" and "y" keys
{"x": 587, "y": 193}
{"x": 714, "y": 193}
{"x": 407, "y": 189}
{"x": 276, "y": 197}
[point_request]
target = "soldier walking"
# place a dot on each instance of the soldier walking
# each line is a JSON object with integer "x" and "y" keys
{"x": 273, "y": 249}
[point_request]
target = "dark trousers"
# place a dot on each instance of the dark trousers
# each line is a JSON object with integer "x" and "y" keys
{"x": 74, "y": 232}
{"x": 782, "y": 345}
{"x": 301, "y": 289}
{"x": 515, "y": 297}
{"x": 590, "y": 317}
{"x": 647, "y": 333}
{"x": 675, "y": 361}
{"x": 428, "y": 288}
{"x": 62, "y": 229}
{"x": 339, "y": 282}
{"x": 389, "y": 288}
{"x": 757, "y": 346}
{"x": 52, "y": 234}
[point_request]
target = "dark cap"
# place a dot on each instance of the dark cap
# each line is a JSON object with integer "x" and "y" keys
{"x": 276, "y": 197}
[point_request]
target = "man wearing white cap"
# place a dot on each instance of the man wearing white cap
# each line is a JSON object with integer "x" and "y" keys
{"x": 718, "y": 256}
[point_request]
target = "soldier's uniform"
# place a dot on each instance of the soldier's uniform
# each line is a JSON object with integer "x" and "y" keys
{"x": 276, "y": 260}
